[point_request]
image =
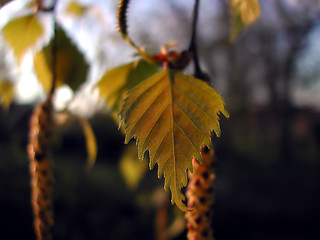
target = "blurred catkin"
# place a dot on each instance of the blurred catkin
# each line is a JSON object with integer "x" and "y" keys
{"x": 200, "y": 198}
{"x": 40, "y": 169}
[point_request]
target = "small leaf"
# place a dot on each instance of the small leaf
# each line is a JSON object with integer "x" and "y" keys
{"x": 131, "y": 168}
{"x": 91, "y": 142}
{"x": 244, "y": 13}
{"x": 76, "y": 9}
{"x": 6, "y": 93}
{"x": 115, "y": 83}
{"x": 22, "y": 33}
{"x": 71, "y": 67}
{"x": 172, "y": 115}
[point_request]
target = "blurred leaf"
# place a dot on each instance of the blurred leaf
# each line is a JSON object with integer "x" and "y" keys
{"x": 43, "y": 70}
{"x": 90, "y": 142}
{"x": 71, "y": 67}
{"x": 172, "y": 115}
{"x": 244, "y": 13}
{"x": 131, "y": 168}
{"x": 76, "y": 9}
{"x": 22, "y": 33}
{"x": 115, "y": 83}
{"x": 6, "y": 93}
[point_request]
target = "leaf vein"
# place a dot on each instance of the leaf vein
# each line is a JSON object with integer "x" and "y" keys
{"x": 198, "y": 128}
{"x": 196, "y": 104}
{"x": 145, "y": 110}
{"x": 156, "y": 150}
{"x": 186, "y": 136}
{"x": 154, "y": 124}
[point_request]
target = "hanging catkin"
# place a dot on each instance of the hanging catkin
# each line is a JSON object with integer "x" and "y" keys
{"x": 40, "y": 168}
{"x": 200, "y": 198}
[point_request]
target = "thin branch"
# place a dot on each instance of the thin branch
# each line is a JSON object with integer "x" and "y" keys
{"x": 123, "y": 29}
{"x": 193, "y": 44}
{"x": 39, "y": 4}
{"x": 54, "y": 52}
{"x": 123, "y": 22}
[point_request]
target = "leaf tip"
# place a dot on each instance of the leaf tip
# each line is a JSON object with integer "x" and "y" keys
{"x": 179, "y": 204}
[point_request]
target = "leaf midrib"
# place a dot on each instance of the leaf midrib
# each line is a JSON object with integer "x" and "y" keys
{"x": 170, "y": 81}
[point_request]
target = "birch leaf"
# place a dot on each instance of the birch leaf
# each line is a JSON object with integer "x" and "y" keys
{"x": 91, "y": 142}
{"x": 244, "y": 13}
{"x": 71, "y": 67}
{"x": 6, "y": 93}
{"x": 22, "y": 33}
{"x": 76, "y": 9}
{"x": 171, "y": 115}
{"x": 131, "y": 168}
{"x": 43, "y": 70}
{"x": 115, "y": 83}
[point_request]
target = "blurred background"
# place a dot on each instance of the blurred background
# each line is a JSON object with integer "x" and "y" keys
{"x": 268, "y": 155}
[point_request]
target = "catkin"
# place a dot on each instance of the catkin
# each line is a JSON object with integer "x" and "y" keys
{"x": 40, "y": 169}
{"x": 122, "y": 17}
{"x": 200, "y": 198}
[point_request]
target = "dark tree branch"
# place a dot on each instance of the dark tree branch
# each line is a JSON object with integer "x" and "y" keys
{"x": 198, "y": 73}
{"x": 54, "y": 52}
{"x": 41, "y": 7}
{"x": 193, "y": 40}
{"x": 39, "y": 4}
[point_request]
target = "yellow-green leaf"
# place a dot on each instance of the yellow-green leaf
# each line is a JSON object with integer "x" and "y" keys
{"x": 172, "y": 115}
{"x": 244, "y": 13}
{"x": 22, "y": 33}
{"x": 6, "y": 93}
{"x": 71, "y": 67}
{"x": 91, "y": 142}
{"x": 131, "y": 168}
{"x": 76, "y": 9}
{"x": 43, "y": 70}
{"x": 115, "y": 83}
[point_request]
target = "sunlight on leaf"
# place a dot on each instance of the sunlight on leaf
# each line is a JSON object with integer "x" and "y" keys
{"x": 71, "y": 67}
{"x": 115, "y": 83}
{"x": 6, "y": 93}
{"x": 76, "y": 9}
{"x": 22, "y": 33}
{"x": 91, "y": 142}
{"x": 244, "y": 13}
{"x": 131, "y": 168}
{"x": 172, "y": 115}
{"x": 43, "y": 70}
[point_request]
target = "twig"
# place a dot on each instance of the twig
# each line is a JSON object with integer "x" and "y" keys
{"x": 54, "y": 53}
{"x": 123, "y": 28}
{"x": 40, "y": 6}
{"x": 193, "y": 45}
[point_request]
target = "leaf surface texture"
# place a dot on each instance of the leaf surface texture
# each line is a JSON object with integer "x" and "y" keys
{"x": 172, "y": 115}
